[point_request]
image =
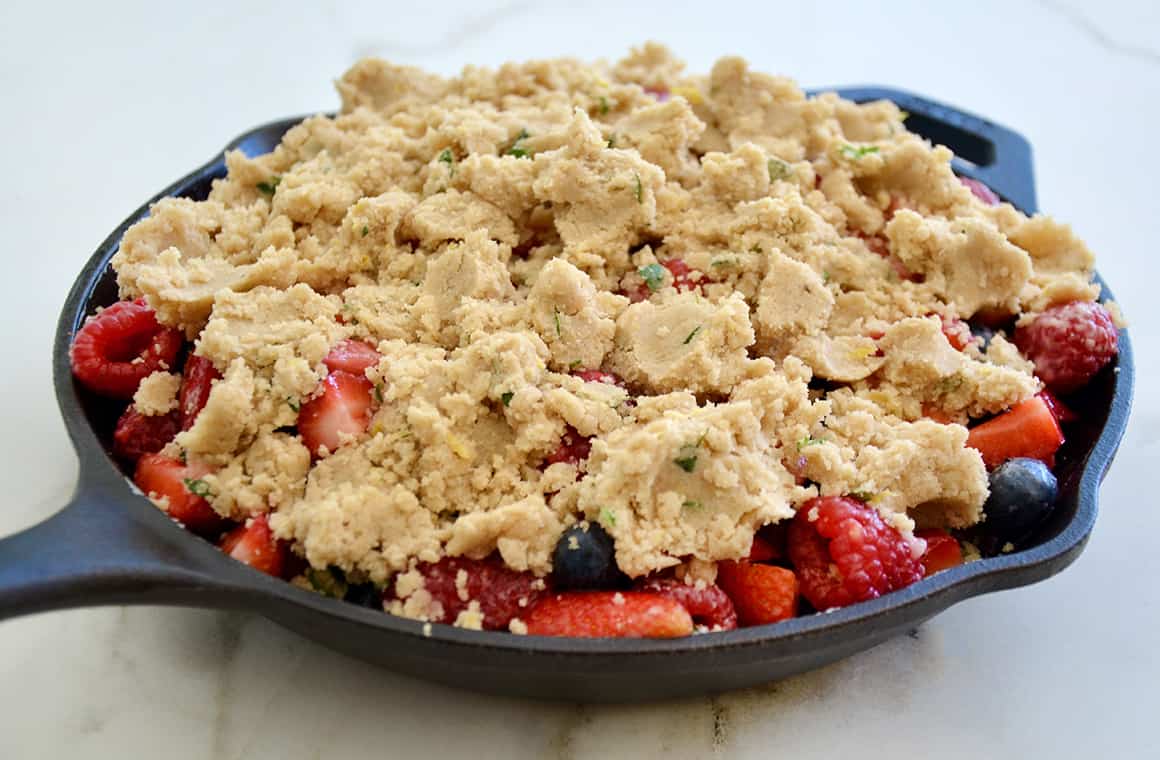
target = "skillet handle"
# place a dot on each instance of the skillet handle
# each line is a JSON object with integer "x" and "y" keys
{"x": 991, "y": 153}
{"x": 93, "y": 553}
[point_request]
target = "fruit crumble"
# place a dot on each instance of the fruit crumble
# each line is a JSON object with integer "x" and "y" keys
{"x": 597, "y": 350}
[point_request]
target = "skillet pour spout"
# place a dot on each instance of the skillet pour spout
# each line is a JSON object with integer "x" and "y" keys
{"x": 111, "y": 546}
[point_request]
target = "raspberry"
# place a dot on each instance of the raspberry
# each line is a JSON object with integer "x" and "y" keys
{"x": 708, "y": 605}
{"x": 848, "y": 554}
{"x": 118, "y": 348}
{"x": 573, "y": 449}
{"x": 137, "y": 434}
{"x": 498, "y": 589}
{"x": 1069, "y": 344}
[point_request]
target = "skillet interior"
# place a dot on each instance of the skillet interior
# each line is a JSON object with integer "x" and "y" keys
{"x": 123, "y": 550}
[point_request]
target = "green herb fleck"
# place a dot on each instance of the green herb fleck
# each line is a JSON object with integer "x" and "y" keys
{"x": 653, "y": 275}
{"x": 857, "y": 151}
{"x": 756, "y": 248}
{"x": 378, "y": 393}
{"x": 366, "y": 230}
{"x": 825, "y": 276}
{"x": 808, "y": 441}
{"x": 506, "y": 398}
{"x": 692, "y": 504}
{"x": 268, "y": 188}
{"x": 518, "y": 149}
{"x": 574, "y": 364}
{"x": 723, "y": 262}
{"x": 559, "y": 330}
{"x": 293, "y": 404}
{"x": 196, "y": 487}
{"x": 446, "y": 157}
{"x": 607, "y": 516}
{"x": 778, "y": 169}
{"x": 693, "y": 334}
{"x": 611, "y": 141}
{"x": 950, "y": 384}
{"x": 639, "y": 191}
{"x": 686, "y": 463}
{"x": 327, "y": 582}
{"x": 603, "y": 105}
{"x": 866, "y": 496}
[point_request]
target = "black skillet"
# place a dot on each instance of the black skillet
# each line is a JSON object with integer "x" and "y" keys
{"x": 111, "y": 546}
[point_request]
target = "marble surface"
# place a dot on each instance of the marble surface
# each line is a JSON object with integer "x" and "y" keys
{"x": 105, "y": 103}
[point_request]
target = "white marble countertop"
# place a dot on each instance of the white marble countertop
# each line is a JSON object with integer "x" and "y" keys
{"x": 105, "y": 105}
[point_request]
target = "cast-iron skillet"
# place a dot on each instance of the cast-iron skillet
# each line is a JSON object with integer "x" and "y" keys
{"x": 111, "y": 546}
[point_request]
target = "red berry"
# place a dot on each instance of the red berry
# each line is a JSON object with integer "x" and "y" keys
{"x": 981, "y": 191}
{"x": 573, "y": 449}
{"x": 609, "y": 614}
{"x": 181, "y": 487}
{"x": 498, "y": 589}
{"x": 196, "y": 382}
{"x": 1059, "y": 410}
{"x": 708, "y": 605}
{"x": 118, "y": 348}
{"x": 942, "y": 550}
{"x": 957, "y": 332}
{"x": 137, "y": 434}
{"x": 255, "y": 545}
{"x": 761, "y": 594}
{"x": 761, "y": 550}
{"x": 1069, "y": 344}
{"x": 1028, "y": 429}
{"x": 847, "y": 554}
{"x": 597, "y": 376}
{"x": 352, "y": 356}
{"x": 342, "y": 408}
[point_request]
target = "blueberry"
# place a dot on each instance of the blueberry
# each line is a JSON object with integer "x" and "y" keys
{"x": 984, "y": 334}
{"x": 585, "y": 559}
{"x": 1023, "y": 493}
{"x": 364, "y": 595}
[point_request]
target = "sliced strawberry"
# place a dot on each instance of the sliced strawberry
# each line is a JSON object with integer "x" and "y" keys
{"x": 573, "y": 449}
{"x": 255, "y": 545}
{"x": 761, "y": 550}
{"x": 709, "y": 605}
{"x": 597, "y": 376}
{"x": 352, "y": 356}
{"x": 1063, "y": 413}
{"x": 138, "y": 434}
{"x": 942, "y": 550}
{"x": 1028, "y": 429}
{"x": 120, "y": 347}
{"x": 196, "y": 382}
{"x": 761, "y": 594}
{"x": 604, "y": 614}
{"x": 182, "y": 489}
{"x": 981, "y": 191}
{"x": 957, "y": 332}
{"x": 933, "y": 412}
{"x": 342, "y": 408}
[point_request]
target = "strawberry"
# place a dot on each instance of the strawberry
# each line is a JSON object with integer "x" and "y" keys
{"x": 604, "y": 614}
{"x": 341, "y": 408}
{"x": 761, "y": 594}
{"x": 1062, "y": 413}
{"x": 843, "y": 553}
{"x": 138, "y": 434}
{"x": 1069, "y": 344}
{"x": 181, "y": 488}
{"x": 597, "y": 376}
{"x": 957, "y": 332}
{"x": 502, "y": 593}
{"x": 196, "y": 382}
{"x": 708, "y": 605}
{"x": 352, "y": 356}
{"x": 981, "y": 191}
{"x": 761, "y": 550}
{"x": 118, "y": 348}
{"x": 573, "y": 449}
{"x": 255, "y": 545}
{"x": 1028, "y": 429}
{"x": 942, "y": 551}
